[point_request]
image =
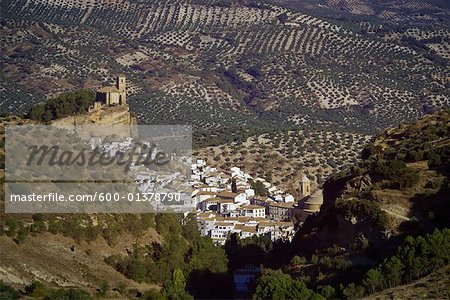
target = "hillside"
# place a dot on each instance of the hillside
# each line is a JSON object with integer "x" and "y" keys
{"x": 245, "y": 66}
{"x": 433, "y": 286}
{"x": 73, "y": 264}
{"x": 105, "y": 256}
{"x": 68, "y": 250}
{"x": 239, "y": 71}
{"x": 282, "y": 157}
{"x": 412, "y": 13}
{"x": 382, "y": 232}
{"x": 400, "y": 188}
{"x": 354, "y": 94}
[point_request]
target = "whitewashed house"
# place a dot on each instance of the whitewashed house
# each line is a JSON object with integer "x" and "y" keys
{"x": 225, "y": 206}
{"x": 220, "y": 232}
{"x": 203, "y": 195}
{"x": 250, "y": 193}
{"x": 253, "y": 211}
{"x": 289, "y": 198}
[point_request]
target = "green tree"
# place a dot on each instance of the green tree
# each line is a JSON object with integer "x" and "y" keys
{"x": 65, "y": 104}
{"x": 103, "y": 288}
{"x": 233, "y": 186}
{"x": 36, "y": 290}
{"x": 373, "y": 280}
{"x": 259, "y": 188}
{"x": 207, "y": 256}
{"x": 154, "y": 295}
{"x": 176, "y": 288}
{"x": 353, "y": 291}
{"x": 327, "y": 291}
{"x": 7, "y": 292}
{"x": 168, "y": 224}
{"x": 37, "y": 112}
{"x": 277, "y": 285}
{"x": 298, "y": 260}
{"x": 136, "y": 270}
{"x": 416, "y": 257}
{"x": 65, "y": 294}
{"x": 282, "y": 18}
{"x": 393, "y": 271}
{"x": 190, "y": 228}
{"x": 12, "y": 225}
{"x": 174, "y": 249}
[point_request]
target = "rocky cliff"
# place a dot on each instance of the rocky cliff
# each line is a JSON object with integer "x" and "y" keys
{"x": 114, "y": 115}
{"x": 400, "y": 188}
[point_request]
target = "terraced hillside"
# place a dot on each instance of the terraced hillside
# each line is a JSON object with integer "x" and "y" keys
{"x": 220, "y": 65}
{"x": 411, "y": 12}
{"x": 283, "y": 157}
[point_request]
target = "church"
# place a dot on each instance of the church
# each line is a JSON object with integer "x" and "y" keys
{"x": 112, "y": 95}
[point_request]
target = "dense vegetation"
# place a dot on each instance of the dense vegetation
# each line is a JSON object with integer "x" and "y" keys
{"x": 183, "y": 251}
{"x": 7, "y": 292}
{"x": 38, "y": 290}
{"x": 424, "y": 140}
{"x": 184, "y": 263}
{"x": 173, "y": 289}
{"x": 417, "y": 257}
{"x": 277, "y": 285}
{"x": 78, "y": 227}
{"x": 412, "y": 159}
{"x": 68, "y": 104}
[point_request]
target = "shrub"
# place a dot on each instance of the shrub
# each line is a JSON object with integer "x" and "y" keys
{"x": 63, "y": 294}
{"x": 362, "y": 208}
{"x": 327, "y": 291}
{"x": 66, "y": 104}
{"x": 353, "y": 291}
{"x": 415, "y": 258}
{"x": 7, "y": 292}
{"x": 277, "y": 285}
{"x": 298, "y": 260}
{"x": 397, "y": 173}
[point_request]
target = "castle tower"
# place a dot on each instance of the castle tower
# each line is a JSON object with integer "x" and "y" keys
{"x": 305, "y": 186}
{"x": 121, "y": 87}
{"x": 120, "y": 83}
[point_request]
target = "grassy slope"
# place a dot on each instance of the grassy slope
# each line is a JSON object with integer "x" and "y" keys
{"x": 434, "y": 286}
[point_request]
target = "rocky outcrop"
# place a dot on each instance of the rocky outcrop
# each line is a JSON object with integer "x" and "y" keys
{"x": 342, "y": 219}
{"x": 400, "y": 188}
{"x": 357, "y": 185}
{"x": 114, "y": 115}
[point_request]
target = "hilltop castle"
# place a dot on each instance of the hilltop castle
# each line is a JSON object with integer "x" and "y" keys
{"x": 112, "y": 95}
{"x": 109, "y": 108}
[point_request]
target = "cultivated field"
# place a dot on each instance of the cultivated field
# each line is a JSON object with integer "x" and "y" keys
{"x": 235, "y": 70}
